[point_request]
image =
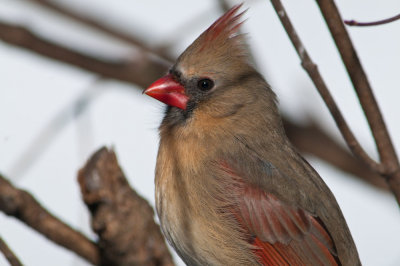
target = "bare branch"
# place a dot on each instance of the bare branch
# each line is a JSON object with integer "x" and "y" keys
{"x": 311, "y": 139}
{"x": 387, "y": 153}
{"x": 224, "y": 5}
{"x": 52, "y": 5}
{"x": 9, "y": 254}
{"x": 139, "y": 70}
{"x": 373, "y": 23}
{"x": 123, "y": 220}
{"x": 312, "y": 70}
{"x": 23, "y": 206}
{"x": 43, "y": 139}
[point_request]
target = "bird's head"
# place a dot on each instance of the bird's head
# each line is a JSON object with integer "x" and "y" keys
{"x": 215, "y": 60}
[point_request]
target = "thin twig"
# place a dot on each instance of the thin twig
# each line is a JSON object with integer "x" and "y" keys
{"x": 9, "y": 254}
{"x": 84, "y": 19}
{"x": 224, "y": 5}
{"x": 23, "y": 206}
{"x": 42, "y": 140}
{"x": 373, "y": 23}
{"x": 389, "y": 167}
{"x": 312, "y": 70}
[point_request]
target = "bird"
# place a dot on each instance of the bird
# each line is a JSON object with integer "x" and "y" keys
{"x": 230, "y": 188}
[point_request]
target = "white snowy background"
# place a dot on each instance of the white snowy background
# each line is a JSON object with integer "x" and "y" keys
{"x": 36, "y": 92}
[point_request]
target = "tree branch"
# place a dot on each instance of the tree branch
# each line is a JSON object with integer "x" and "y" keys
{"x": 64, "y": 11}
{"x": 313, "y": 72}
{"x": 23, "y": 206}
{"x": 9, "y": 254}
{"x": 373, "y": 23}
{"x": 310, "y": 139}
{"x": 123, "y": 220}
{"x": 390, "y": 167}
{"x": 139, "y": 70}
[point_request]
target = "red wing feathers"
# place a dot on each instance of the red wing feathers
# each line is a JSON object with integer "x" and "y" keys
{"x": 271, "y": 220}
{"x": 281, "y": 234}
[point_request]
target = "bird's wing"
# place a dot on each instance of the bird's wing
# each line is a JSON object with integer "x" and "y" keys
{"x": 281, "y": 234}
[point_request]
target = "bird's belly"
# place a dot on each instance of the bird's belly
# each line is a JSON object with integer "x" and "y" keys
{"x": 200, "y": 234}
{"x": 190, "y": 207}
{"x": 182, "y": 231}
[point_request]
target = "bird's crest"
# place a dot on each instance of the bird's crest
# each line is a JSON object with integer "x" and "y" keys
{"x": 217, "y": 45}
{"x": 225, "y": 27}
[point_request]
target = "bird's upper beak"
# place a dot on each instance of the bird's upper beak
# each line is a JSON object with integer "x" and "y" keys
{"x": 168, "y": 91}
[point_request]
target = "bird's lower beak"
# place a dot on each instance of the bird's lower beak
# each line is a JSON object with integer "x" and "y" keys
{"x": 168, "y": 91}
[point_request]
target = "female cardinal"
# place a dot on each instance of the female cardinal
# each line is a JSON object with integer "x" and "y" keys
{"x": 230, "y": 188}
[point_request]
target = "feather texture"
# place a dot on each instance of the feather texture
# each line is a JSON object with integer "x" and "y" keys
{"x": 225, "y": 27}
{"x": 230, "y": 188}
{"x": 281, "y": 233}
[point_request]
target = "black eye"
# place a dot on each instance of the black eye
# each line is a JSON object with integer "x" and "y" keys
{"x": 205, "y": 84}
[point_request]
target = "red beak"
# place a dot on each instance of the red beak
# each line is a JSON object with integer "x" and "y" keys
{"x": 168, "y": 91}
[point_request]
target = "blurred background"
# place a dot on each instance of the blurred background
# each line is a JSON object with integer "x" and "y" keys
{"x": 53, "y": 115}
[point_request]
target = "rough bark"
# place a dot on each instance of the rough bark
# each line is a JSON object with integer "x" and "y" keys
{"x": 123, "y": 220}
{"x": 23, "y": 206}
